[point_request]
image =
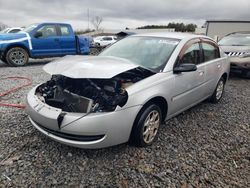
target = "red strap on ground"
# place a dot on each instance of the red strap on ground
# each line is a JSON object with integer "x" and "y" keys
{"x": 27, "y": 82}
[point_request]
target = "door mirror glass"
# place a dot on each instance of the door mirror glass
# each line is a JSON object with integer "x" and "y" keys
{"x": 38, "y": 34}
{"x": 185, "y": 67}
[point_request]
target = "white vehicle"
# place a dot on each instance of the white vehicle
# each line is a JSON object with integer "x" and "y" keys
{"x": 104, "y": 40}
{"x": 12, "y": 30}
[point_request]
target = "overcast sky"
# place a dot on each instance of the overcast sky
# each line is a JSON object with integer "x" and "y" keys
{"x": 119, "y": 14}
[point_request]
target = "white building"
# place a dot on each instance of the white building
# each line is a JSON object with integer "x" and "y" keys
{"x": 216, "y": 29}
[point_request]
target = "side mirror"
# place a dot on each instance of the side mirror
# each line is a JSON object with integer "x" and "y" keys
{"x": 38, "y": 34}
{"x": 185, "y": 68}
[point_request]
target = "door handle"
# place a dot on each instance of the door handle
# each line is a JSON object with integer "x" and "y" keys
{"x": 57, "y": 40}
{"x": 201, "y": 73}
{"x": 219, "y": 66}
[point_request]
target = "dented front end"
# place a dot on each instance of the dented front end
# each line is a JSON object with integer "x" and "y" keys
{"x": 85, "y": 95}
{"x": 82, "y": 112}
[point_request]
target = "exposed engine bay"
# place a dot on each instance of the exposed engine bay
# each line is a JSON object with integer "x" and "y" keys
{"x": 89, "y": 95}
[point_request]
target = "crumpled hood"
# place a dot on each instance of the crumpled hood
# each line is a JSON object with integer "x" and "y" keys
{"x": 89, "y": 66}
{"x": 12, "y": 36}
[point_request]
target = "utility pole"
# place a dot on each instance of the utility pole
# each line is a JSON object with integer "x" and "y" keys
{"x": 88, "y": 18}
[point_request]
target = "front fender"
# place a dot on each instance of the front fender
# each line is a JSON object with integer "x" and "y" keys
{"x": 158, "y": 85}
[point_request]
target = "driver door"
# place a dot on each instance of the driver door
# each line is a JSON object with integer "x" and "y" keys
{"x": 189, "y": 86}
{"x": 48, "y": 43}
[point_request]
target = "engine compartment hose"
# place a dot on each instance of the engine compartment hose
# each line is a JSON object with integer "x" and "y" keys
{"x": 27, "y": 83}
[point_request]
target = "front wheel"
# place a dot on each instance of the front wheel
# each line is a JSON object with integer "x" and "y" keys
{"x": 147, "y": 123}
{"x": 17, "y": 56}
{"x": 218, "y": 92}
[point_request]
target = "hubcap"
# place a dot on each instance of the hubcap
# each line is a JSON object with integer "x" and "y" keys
{"x": 151, "y": 126}
{"x": 219, "y": 89}
{"x": 17, "y": 57}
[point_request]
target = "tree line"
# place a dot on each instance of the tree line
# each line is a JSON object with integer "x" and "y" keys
{"x": 179, "y": 27}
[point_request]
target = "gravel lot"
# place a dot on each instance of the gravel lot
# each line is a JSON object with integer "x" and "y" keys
{"x": 207, "y": 146}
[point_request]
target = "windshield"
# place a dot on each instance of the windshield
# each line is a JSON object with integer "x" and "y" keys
{"x": 236, "y": 40}
{"x": 29, "y": 28}
{"x": 149, "y": 52}
{"x": 4, "y": 31}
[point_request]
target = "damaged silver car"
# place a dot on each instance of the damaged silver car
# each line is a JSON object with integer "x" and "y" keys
{"x": 128, "y": 91}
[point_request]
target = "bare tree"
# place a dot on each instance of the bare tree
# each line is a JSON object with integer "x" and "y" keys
{"x": 2, "y": 26}
{"x": 96, "y": 22}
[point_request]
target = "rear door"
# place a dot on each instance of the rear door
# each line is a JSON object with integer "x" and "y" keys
{"x": 48, "y": 43}
{"x": 211, "y": 59}
{"x": 67, "y": 40}
{"x": 189, "y": 86}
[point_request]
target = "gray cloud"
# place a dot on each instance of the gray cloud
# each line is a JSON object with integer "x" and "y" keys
{"x": 120, "y": 14}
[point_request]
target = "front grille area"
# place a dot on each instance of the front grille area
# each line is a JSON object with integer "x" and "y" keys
{"x": 235, "y": 53}
{"x": 73, "y": 137}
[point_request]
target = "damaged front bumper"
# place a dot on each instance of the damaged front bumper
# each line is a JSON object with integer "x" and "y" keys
{"x": 93, "y": 130}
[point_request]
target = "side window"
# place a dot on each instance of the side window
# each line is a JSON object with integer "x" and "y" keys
{"x": 64, "y": 30}
{"x": 210, "y": 51}
{"x": 14, "y": 30}
{"x": 191, "y": 55}
{"x": 48, "y": 31}
{"x": 107, "y": 38}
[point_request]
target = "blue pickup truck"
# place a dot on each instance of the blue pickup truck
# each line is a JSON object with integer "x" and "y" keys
{"x": 41, "y": 41}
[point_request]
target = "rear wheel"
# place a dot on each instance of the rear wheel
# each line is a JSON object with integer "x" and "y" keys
{"x": 17, "y": 56}
{"x": 147, "y": 124}
{"x": 218, "y": 92}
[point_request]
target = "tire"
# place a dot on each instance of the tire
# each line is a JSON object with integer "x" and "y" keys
{"x": 143, "y": 133}
{"x": 219, "y": 91}
{"x": 17, "y": 57}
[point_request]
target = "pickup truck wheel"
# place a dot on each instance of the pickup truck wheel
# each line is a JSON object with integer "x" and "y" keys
{"x": 4, "y": 61}
{"x": 146, "y": 127}
{"x": 17, "y": 56}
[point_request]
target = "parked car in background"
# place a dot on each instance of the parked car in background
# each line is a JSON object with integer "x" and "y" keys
{"x": 127, "y": 91}
{"x": 104, "y": 40}
{"x": 11, "y": 30}
{"x": 40, "y": 41}
{"x": 237, "y": 47}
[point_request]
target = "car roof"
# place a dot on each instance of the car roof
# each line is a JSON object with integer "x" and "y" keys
{"x": 241, "y": 33}
{"x": 15, "y": 28}
{"x": 174, "y": 35}
{"x": 53, "y": 23}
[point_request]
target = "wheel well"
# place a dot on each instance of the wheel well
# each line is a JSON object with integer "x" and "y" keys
{"x": 13, "y": 46}
{"x": 225, "y": 76}
{"x": 161, "y": 102}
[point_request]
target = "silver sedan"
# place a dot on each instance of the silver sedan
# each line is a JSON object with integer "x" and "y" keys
{"x": 126, "y": 93}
